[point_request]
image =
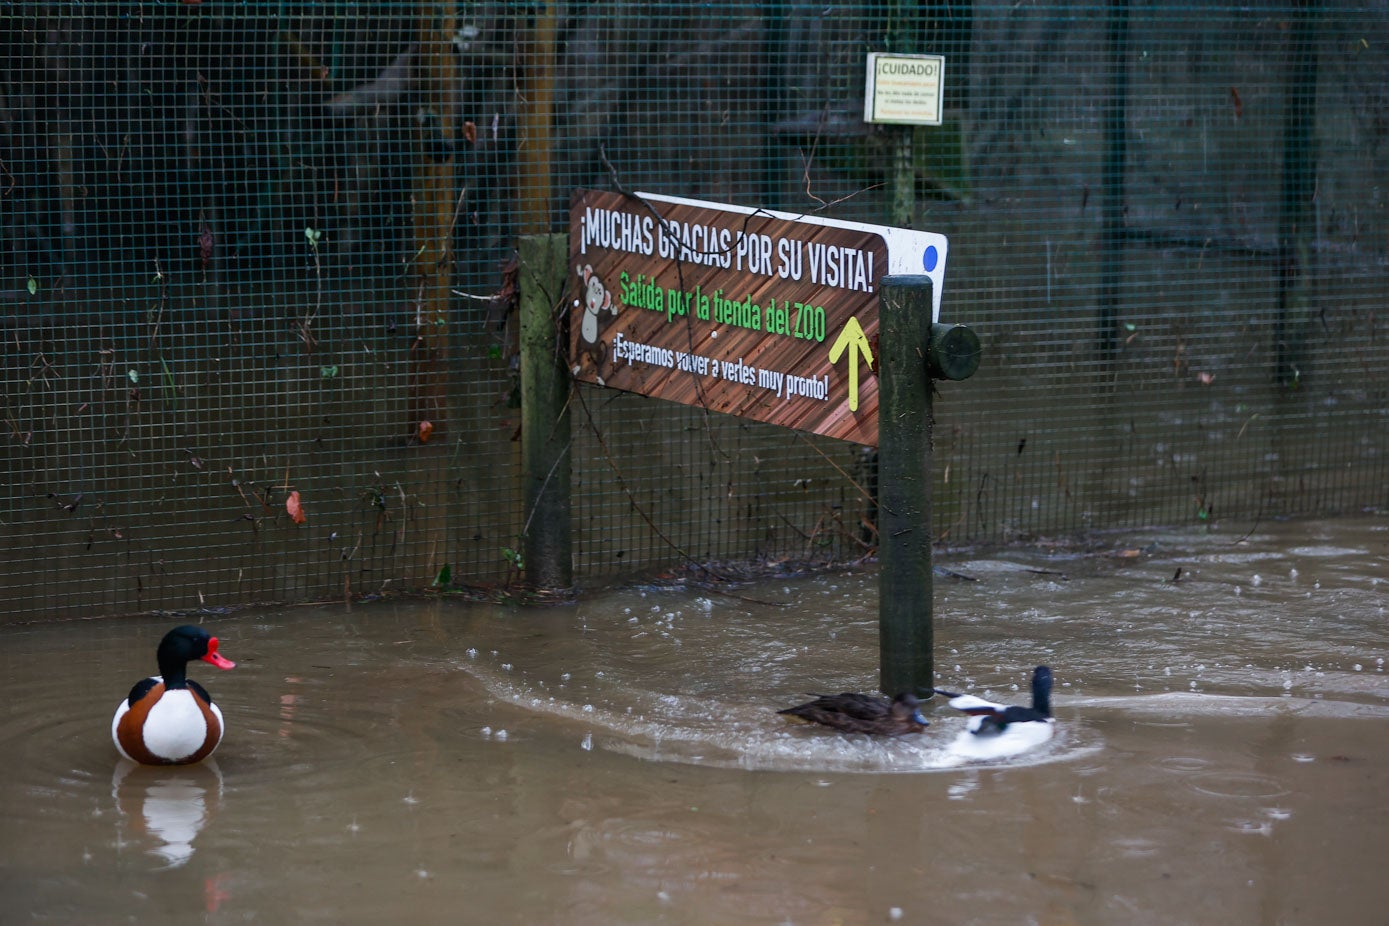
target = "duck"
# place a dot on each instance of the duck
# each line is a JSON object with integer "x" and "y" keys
{"x": 168, "y": 719}
{"x": 996, "y": 731}
{"x": 861, "y": 713}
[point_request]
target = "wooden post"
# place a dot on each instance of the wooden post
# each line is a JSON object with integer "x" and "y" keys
{"x": 536, "y": 78}
{"x": 904, "y": 22}
{"x": 434, "y": 199}
{"x": 545, "y": 439}
{"x": 905, "y": 625}
{"x": 1115, "y": 123}
{"x": 1296, "y": 219}
{"x": 776, "y": 102}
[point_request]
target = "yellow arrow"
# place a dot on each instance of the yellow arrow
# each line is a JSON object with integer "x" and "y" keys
{"x": 852, "y": 337}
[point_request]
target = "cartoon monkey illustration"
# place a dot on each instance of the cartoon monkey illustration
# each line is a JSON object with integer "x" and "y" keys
{"x": 596, "y": 298}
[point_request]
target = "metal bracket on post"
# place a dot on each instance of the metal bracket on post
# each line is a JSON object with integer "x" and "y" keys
{"x": 913, "y": 351}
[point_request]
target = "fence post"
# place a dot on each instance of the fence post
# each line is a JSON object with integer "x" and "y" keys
{"x": 1296, "y": 232}
{"x": 1115, "y": 123}
{"x": 905, "y": 629}
{"x": 912, "y": 351}
{"x": 434, "y": 202}
{"x": 903, "y": 29}
{"x": 547, "y": 555}
{"x": 536, "y": 91}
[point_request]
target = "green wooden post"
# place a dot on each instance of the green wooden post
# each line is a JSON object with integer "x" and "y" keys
{"x": 904, "y": 21}
{"x": 1115, "y": 121}
{"x": 913, "y": 352}
{"x": 547, "y": 553}
{"x": 1296, "y": 225}
{"x": 905, "y": 628}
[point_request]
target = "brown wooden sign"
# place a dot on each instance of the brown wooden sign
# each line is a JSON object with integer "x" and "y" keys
{"x": 746, "y": 312}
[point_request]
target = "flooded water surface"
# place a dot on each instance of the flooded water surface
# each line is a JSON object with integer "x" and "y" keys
{"x": 1221, "y": 756}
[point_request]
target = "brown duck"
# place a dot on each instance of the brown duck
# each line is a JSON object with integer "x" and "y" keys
{"x": 861, "y": 713}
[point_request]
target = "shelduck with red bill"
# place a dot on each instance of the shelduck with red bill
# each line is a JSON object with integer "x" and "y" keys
{"x": 168, "y": 719}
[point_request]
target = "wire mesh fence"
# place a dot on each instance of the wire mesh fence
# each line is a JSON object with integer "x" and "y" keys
{"x": 259, "y": 287}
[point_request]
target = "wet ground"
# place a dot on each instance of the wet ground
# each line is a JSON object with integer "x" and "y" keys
{"x": 1222, "y": 754}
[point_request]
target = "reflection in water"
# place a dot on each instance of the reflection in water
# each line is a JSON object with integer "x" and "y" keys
{"x": 289, "y": 702}
{"x": 165, "y": 808}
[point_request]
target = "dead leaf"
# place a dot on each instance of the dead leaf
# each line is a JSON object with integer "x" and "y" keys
{"x": 296, "y": 510}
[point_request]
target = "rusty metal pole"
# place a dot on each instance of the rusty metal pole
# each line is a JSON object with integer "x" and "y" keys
{"x": 912, "y": 352}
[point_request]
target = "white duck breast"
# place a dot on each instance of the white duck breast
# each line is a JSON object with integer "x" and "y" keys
{"x": 175, "y": 727}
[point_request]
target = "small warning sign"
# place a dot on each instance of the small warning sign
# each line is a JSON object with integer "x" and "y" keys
{"x": 904, "y": 89}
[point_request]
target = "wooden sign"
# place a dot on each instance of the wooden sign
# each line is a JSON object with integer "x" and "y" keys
{"x": 748, "y": 312}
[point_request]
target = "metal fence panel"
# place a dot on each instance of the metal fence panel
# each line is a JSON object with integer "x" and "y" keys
{"x": 256, "y": 259}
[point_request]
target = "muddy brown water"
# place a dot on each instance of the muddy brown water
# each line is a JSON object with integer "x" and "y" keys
{"x": 1222, "y": 754}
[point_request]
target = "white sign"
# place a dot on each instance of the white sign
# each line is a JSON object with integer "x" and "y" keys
{"x": 904, "y": 89}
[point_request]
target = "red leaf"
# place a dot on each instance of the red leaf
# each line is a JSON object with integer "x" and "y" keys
{"x": 296, "y": 511}
{"x": 426, "y": 429}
